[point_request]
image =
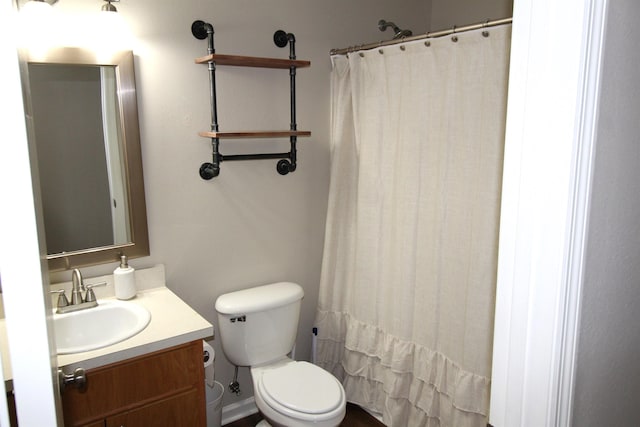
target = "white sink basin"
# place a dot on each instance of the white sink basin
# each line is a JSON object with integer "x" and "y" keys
{"x": 109, "y": 323}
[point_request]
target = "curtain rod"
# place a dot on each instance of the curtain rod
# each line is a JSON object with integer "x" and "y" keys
{"x": 427, "y": 35}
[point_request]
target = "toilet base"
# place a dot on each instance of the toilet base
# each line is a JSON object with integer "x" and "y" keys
{"x": 263, "y": 423}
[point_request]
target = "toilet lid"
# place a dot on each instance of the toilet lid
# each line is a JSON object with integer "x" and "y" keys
{"x": 302, "y": 387}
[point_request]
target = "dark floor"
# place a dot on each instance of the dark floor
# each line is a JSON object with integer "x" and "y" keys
{"x": 356, "y": 417}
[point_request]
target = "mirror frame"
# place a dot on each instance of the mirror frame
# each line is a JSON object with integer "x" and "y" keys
{"x": 130, "y": 131}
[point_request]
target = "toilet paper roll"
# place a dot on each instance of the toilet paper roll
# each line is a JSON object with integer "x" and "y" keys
{"x": 208, "y": 355}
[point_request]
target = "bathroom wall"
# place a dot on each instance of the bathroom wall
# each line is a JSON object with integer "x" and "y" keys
{"x": 249, "y": 226}
{"x": 608, "y": 374}
{"x": 447, "y": 13}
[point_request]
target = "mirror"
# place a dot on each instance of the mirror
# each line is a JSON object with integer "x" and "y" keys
{"x": 83, "y": 117}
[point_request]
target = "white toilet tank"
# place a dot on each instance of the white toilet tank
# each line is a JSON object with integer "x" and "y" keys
{"x": 259, "y": 325}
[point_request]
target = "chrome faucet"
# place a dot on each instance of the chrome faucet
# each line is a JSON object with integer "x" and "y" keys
{"x": 78, "y": 302}
{"x": 77, "y": 287}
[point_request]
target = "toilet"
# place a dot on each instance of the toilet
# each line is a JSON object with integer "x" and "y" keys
{"x": 257, "y": 328}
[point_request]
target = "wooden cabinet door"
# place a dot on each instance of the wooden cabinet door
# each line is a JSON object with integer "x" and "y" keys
{"x": 124, "y": 387}
{"x": 176, "y": 411}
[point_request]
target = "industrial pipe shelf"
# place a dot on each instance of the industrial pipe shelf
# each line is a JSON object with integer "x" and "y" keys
{"x": 255, "y": 134}
{"x": 288, "y": 161}
{"x": 252, "y": 61}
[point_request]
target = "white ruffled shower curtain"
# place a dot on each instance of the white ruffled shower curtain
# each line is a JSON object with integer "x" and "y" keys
{"x": 405, "y": 313}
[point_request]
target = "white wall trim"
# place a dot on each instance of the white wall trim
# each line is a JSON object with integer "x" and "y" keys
{"x": 585, "y": 157}
{"x": 547, "y": 173}
{"x": 22, "y": 262}
{"x": 237, "y": 410}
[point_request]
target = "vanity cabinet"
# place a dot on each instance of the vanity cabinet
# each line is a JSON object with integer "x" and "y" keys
{"x": 165, "y": 388}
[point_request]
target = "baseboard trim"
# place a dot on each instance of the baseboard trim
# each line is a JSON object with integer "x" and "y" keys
{"x": 237, "y": 410}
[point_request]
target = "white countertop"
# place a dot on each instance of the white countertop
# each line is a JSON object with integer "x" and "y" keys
{"x": 172, "y": 323}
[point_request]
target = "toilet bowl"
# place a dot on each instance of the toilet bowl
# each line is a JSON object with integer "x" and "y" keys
{"x": 298, "y": 394}
{"x": 257, "y": 328}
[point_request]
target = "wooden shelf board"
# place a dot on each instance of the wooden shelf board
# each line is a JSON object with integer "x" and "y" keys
{"x": 252, "y": 61}
{"x": 255, "y": 134}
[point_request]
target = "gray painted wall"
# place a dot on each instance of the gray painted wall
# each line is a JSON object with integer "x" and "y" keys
{"x": 447, "y": 13}
{"x": 607, "y": 388}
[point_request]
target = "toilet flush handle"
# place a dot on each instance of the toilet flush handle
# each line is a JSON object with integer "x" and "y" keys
{"x": 235, "y": 319}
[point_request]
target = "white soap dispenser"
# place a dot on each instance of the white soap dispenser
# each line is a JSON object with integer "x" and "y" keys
{"x": 124, "y": 280}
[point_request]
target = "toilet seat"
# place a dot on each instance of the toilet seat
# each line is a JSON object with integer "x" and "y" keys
{"x": 301, "y": 390}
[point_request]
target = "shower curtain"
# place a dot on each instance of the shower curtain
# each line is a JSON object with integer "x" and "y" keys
{"x": 406, "y": 304}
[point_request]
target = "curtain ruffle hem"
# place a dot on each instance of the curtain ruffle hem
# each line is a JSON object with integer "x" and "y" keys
{"x": 402, "y": 380}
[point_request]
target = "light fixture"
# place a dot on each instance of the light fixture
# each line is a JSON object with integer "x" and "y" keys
{"x": 38, "y": 25}
{"x": 111, "y": 31}
{"x": 36, "y": 5}
{"x": 23, "y": 4}
{"x": 109, "y": 7}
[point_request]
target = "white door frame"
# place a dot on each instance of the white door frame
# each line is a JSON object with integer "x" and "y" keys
{"x": 22, "y": 264}
{"x": 551, "y": 115}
